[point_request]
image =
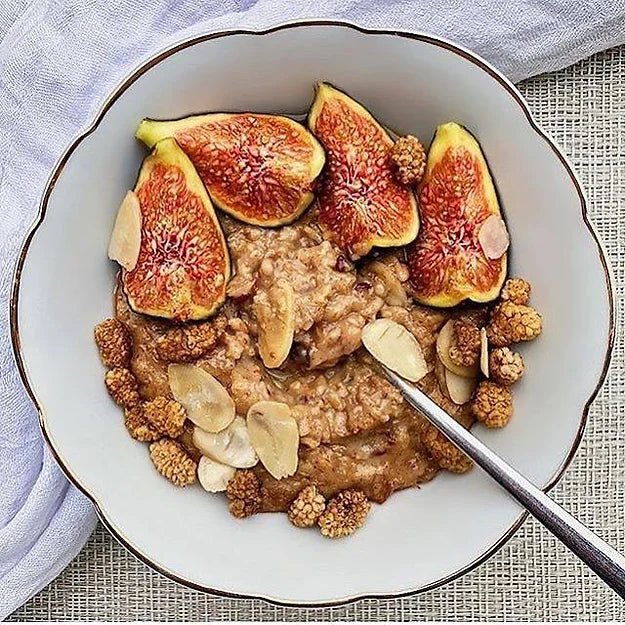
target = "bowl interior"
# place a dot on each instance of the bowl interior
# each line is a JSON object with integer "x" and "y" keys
{"x": 420, "y": 536}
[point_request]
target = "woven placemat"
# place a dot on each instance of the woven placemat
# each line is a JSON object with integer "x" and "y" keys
{"x": 533, "y": 577}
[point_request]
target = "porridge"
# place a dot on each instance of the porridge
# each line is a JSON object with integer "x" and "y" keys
{"x": 244, "y": 344}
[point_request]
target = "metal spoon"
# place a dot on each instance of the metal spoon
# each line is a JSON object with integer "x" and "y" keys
{"x": 604, "y": 560}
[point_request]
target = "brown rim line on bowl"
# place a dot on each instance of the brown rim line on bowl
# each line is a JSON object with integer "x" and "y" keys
{"x": 118, "y": 91}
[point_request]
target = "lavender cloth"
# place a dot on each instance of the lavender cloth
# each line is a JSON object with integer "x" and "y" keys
{"x": 57, "y": 63}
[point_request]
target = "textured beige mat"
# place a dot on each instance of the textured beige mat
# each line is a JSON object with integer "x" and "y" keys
{"x": 531, "y": 578}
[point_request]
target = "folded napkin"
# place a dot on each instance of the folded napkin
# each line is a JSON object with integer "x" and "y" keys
{"x": 58, "y": 62}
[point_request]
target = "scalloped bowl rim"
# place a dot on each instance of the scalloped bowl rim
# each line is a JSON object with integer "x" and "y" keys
{"x": 131, "y": 77}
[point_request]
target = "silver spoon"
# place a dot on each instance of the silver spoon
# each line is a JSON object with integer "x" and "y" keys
{"x": 604, "y": 560}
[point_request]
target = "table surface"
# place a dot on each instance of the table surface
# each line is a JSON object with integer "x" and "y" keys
{"x": 533, "y": 577}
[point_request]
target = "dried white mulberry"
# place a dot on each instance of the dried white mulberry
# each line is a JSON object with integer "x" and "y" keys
{"x": 122, "y": 387}
{"x": 166, "y": 415}
{"x": 492, "y": 404}
{"x": 505, "y": 366}
{"x": 512, "y": 323}
{"x": 307, "y": 507}
{"x": 344, "y": 514}
{"x": 243, "y": 492}
{"x": 409, "y": 158}
{"x": 114, "y": 342}
{"x": 173, "y": 462}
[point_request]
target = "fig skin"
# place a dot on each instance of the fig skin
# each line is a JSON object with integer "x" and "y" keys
{"x": 187, "y": 289}
{"x": 456, "y": 196}
{"x": 390, "y": 217}
{"x": 290, "y": 180}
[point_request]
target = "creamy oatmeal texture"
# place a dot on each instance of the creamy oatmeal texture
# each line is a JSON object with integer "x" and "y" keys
{"x": 355, "y": 429}
{"x": 257, "y": 253}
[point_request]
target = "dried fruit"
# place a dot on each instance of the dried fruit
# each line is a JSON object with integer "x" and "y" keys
{"x": 396, "y": 348}
{"x": 409, "y": 158}
{"x": 114, "y": 342}
{"x": 173, "y": 462}
{"x": 307, "y": 507}
{"x": 459, "y": 389}
{"x": 206, "y": 401}
{"x": 259, "y": 168}
{"x": 275, "y": 437}
{"x": 126, "y": 237}
{"x": 183, "y": 264}
{"x": 394, "y": 292}
{"x": 190, "y": 341}
{"x": 244, "y": 494}
{"x": 122, "y": 387}
{"x": 516, "y": 290}
{"x": 360, "y": 200}
{"x": 231, "y": 446}
{"x": 484, "y": 365}
{"x": 465, "y": 346}
{"x": 456, "y": 197}
{"x": 344, "y": 514}
{"x": 492, "y": 404}
{"x": 513, "y": 323}
{"x": 213, "y": 476}
{"x": 275, "y": 314}
{"x": 444, "y": 342}
{"x": 166, "y": 415}
{"x": 444, "y": 452}
{"x": 506, "y": 366}
{"x": 138, "y": 426}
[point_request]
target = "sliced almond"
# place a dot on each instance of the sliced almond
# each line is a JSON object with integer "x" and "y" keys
{"x": 275, "y": 437}
{"x": 440, "y": 372}
{"x": 459, "y": 389}
{"x": 214, "y": 476}
{"x": 484, "y": 352}
{"x": 443, "y": 343}
{"x": 395, "y": 294}
{"x": 275, "y": 313}
{"x": 206, "y": 401}
{"x": 396, "y": 348}
{"x": 493, "y": 237}
{"x": 125, "y": 240}
{"x": 231, "y": 446}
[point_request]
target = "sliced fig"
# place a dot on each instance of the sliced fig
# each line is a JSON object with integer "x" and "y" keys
{"x": 259, "y": 168}
{"x": 183, "y": 264}
{"x": 125, "y": 240}
{"x": 456, "y": 198}
{"x": 360, "y": 201}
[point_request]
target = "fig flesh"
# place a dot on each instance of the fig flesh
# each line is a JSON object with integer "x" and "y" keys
{"x": 261, "y": 169}
{"x": 457, "y": 197}
{"x": 183, "y": 264}
{"x": 360, "y": 201}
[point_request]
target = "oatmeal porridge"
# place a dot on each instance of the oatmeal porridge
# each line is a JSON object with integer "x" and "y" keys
{"x": 236, "y": 345}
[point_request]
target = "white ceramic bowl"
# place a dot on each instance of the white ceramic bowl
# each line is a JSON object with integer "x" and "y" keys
{"x": 421, "y": 537}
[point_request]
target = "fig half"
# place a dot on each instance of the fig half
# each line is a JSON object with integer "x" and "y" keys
{"x": 183, "y": 265}
{"x": 260, "y": 169}
{"x": 457, "y": 197}
{"x": 360, "y": 201}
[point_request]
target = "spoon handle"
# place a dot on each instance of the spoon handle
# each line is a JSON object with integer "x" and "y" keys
{"x": 603, "y": 559}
